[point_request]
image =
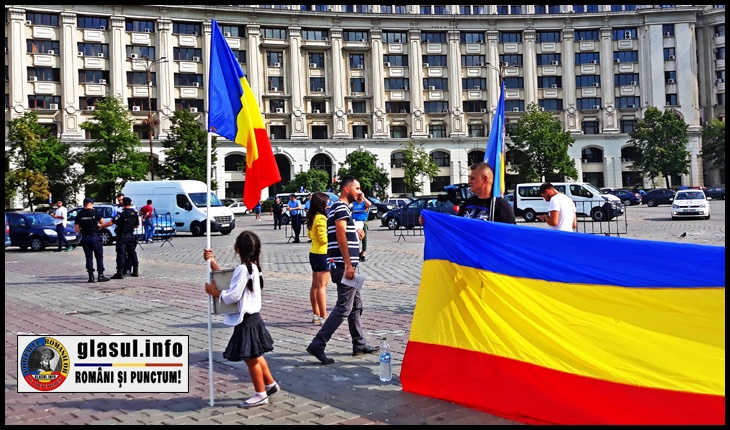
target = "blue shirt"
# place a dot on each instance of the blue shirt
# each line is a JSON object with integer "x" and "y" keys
{"x": 359, "y": 211}
{"x": 292, "y": 205}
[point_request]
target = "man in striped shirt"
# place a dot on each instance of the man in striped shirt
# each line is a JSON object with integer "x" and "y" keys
{"x": 343, "y": 248}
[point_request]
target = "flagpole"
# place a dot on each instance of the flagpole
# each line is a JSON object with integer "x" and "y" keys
{"x": 208, "y": 163}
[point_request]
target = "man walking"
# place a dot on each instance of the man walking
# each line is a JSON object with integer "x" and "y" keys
{"x": 147, "y": 212}
{"x": 88, "y": 223}
{"x": 59, "y": 220}
{"x": 126, "y": 223}
{"x": 342, "y": 251}
{"x": 277, "y": 209}
{"x": 561, "y": 210}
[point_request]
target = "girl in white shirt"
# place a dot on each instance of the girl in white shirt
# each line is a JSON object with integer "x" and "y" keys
{"x": 250, "y": 339}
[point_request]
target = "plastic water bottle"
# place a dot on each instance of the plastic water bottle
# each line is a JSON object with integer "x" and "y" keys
{"x": 386, "y": 371}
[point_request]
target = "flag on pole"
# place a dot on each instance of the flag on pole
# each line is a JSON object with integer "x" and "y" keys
{"x": 494, "y": 154}
{"x": 235, "y": 115}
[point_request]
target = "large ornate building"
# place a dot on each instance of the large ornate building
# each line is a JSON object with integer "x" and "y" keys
{"x": 331, "y": 79}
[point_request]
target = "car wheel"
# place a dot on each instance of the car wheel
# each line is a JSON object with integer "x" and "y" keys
{"x": 106, "y": 237}
{"x": 529, "y": 215}
{"x": 393, "y": 223}
{"x": 627, "y": 202}
{"x": 196, "y": 229}
{"x": 650, "y": 203}
{"x": 598, "y": 215}
{"x": 707, "y": 217}
{"x": 285, "y": 219}
{"x": 36, "y": 244}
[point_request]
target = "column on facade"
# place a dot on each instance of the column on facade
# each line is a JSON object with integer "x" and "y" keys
{"x": 688, "y": 95}
{"x": 69, "y": 115}
{"x": 118, "y": 59}
{"x": 609, "y": 113}
{"x": 339, "y": 86}
{"x": 380, "y": 120}
{"x": 299, "y": 82}
{"x": 253, "y": 63}
{"x": 569, "y": 100}
{"x": 493, "y": 70}
{"x": 529, "y": 66}
{"x": 455, "y": 91}
{"x": 18, "y": 76}
{"x": 165, "y": 77}
{"x": 419, "y": 128}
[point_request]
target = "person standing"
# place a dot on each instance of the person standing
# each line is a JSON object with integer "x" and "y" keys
{"x": 60, "y": 217}
{"x": 317, "y": 232}
{"x": 148, "y": 213}
{"x": 88, "y": 223}
{"x": 250, "y": 339}
{"x": 277, "y": 209}
{"x": 561, "y": 210}
{"x": 126, "y": 223}
{"x": 295, "y": 209}
{"x": 342, "y": 251}
{"x": 117, "y": 209}
{"x": 360, "y": 213}
{"x": 257, "y": 210}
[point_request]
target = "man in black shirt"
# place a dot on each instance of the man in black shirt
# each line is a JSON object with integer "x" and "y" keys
{"x": 88, "y": 222}
{"x": 278, "y": 210}
{"x": 478, "y": 206}
{"x": 126, "y": 223}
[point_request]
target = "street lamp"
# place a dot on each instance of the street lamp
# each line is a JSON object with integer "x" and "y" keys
{"x": 151, "y": 122}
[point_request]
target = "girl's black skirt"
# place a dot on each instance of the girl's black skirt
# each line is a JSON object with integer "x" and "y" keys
{"x": 250, "y": 339}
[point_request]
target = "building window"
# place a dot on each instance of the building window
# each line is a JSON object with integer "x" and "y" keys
{"x": 626, "y": 79}
{"x": 510, "y": 36}
{"x": 548, "y": 36}
{"x": 188, "y": 104}
{"x": 512, "y": 60}
{"x": 319, "y": 106}
{"x": 140, "y": 26}
{"x": 588, "y": 103}
{"x": 625, "y": 56}
{"x": 319, "y": 132}
{"x": 357, "y": 61}
{"x": 548, "y": 59}
{"x": 187, "y": 54}
{"x": 92, "y": 22}
{"x": 315, "y": 34}
{"x": 434, "y": 60}
{"x": 671, "y": 100}
{"x": 398, "y": 131}
{"x": 628, "y": 126}
{"x": 397, "y": 107}
{"x": 592, "y": 155}
{"x": 668, "y": 30}
{"x": 140, "y": 78}
{"x": 277, "y": 131}
{"x": 395, "y": 37}
{"x": 40, "y": 19}
{"x": 514, "y": 83}
{"x": 188, "y": 80}
{"x": 276, "y": 83}
{"x": 143, "y": 103}
{"x": 551, "y": 104}
{"x": 471, "y": 37}
{"x": 396, "y": 84}
{"x": 43, "y": 102}
{"x": 624, "y": 33}
{"x": 276, "y": 106}
{"x": 433, "y": 37}
{"x": 273, "y": 33}
{"x": 437, "y": 130}
{"x": 357, "y": 85}
{"x": 141, "y": 51}
{"x": 42, "y": 46}
{"x": 476, "y": 130}
{"x": 436, "y": 84}
{"x": 581, "y": 35}
{"x": 472, "y": 60}
{"x": 235, "y": 163}
{"x": 628, "y": 102}
{"x": 587, "y": 58}
{"x": 395, "y": 60}
{"x": 475, "y": 156}
{"x": 436, "y": 107}
{"x": 587, "y": 81}
{"x": 359, "y": 106}
{"x": 355, "y": 36}
{"x": 397, "y": 159}
{"x": 86, "y": 102}
{"x": 274, "y": 58}
{"x": 317, "y": 84}
{"x": 185, "y": 28}
{"x": 441, "y": 158}
{"x": 45, "y": 74}
{"x": 93, "y": 76}
{"x": 359, "y": 131}
{"x": 232, "y": 30}
{"x": 479, "y": 84}
{"x": 589, "y": 127}
{"x": 479, "y": 106}
{"x": 316, "y": 59}
{"x": 514, "y": 105}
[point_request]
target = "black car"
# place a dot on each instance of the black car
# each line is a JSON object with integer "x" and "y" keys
{"x": 36, "y": 230}
{"x": 407, "y": 216}
{"x": 658, "y": 196}
{"x": 715, "y": 193}
{"x": 381, "y": 205}
{"x": 628, "y": 198}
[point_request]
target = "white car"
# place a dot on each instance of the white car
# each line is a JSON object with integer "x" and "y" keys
{"x": 238, "y": 208}
{"x": 690, "y": 203}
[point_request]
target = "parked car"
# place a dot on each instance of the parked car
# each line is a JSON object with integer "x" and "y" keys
{"x": 510, "y": 197}
{"x": 229, "y": 202}
{"x": 690, "y": 203}
{"x": 398, "y": 202}
{"x": 108, "y": 234}
{"x": 380, "y": 205}
{"x": 715, "y": 193}
{"x": 407, "y": 216}
{"x": 658, "y": 196}
{"x": 238, "y": 208}
{"x": 36, "y": 230}
{"x": 627, "y": 197}
{"x": 7, "y": 231}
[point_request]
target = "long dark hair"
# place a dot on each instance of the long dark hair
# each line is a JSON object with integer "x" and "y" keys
{"x": 248, "y": 246}
{"x": 317, "y": 205}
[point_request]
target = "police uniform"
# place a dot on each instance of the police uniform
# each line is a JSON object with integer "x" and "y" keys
{"x": 88, "y": 220}
{"x": 126, "y": 223}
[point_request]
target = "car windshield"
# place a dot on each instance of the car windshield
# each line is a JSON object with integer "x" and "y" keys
{"x": 199, "y": 200}
{"x": 690, "y": 196}
{"x": 40, "y": 219}
{"x": 593, "y": 189}
{"x": 374, "y": 200}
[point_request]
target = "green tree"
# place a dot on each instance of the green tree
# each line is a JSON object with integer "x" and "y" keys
{"x": 186, "y": 150}
{"x": 363, "y": 166}
{"x": 312, "y": 180}
{"x": 661, "y": 144}
{"x": 713, "y": 143}
{"x": 113, "y": 157}
{"x": 541, "y": 146}
{"x": 42, "y": 164}
{"x": 417, "y": 163}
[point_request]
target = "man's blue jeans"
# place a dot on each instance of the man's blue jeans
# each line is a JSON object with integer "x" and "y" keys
{"x": 149, "y": 229}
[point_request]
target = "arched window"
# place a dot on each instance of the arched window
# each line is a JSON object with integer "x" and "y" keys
{"x": 592, "y": 155}
{"x": 441, "y": 158}
{"x": 397, "y": 159}
{"x": 322, "y": 162}
{"x": 235, "y": 163}
{"x": 475, "y": 156}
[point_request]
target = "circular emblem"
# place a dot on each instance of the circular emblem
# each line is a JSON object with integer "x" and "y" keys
{"x": 379, "y": 113}
{"x": 45, "y": 364}
{"x": 418, "y": 112}
{"x": 297, "y": 113}
{"x": 70, "y": 109}
{"x": 571, "y": 110}
{"x": 609, "y": 109}
{"x": 340, "y": 113}
{"x": 457, "y": 112}
{"x": 19, "y": 108}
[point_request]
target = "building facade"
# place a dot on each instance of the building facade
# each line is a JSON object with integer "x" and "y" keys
{"x": 331, "y": 79}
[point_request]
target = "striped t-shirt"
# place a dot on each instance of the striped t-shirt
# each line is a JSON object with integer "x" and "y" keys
{"x": 339, "y": 211}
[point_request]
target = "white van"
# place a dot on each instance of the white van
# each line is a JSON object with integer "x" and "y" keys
{"x": 589, "y": 201}
{"x": 185, "y": 201}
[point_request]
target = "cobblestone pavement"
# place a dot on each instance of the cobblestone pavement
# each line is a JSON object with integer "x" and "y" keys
{"x": 46, "y": 293}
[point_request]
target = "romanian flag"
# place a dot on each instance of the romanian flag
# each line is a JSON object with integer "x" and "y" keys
{"x": 548, "y": 327}
{"x": 235, "y": 115}
{"x": 494, "y": 154}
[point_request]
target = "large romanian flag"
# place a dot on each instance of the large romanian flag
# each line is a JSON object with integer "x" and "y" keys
{"x": 544, "y": 326}
{"x": 235, "y": 115}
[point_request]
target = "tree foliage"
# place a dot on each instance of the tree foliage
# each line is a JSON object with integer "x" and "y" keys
{"x": 417, "y": 163}
{"x": 713, "y": 143}
{"x": 661, "y": 140}
{"x": 113, "y": 158}
{"x": 312, "y": 180}
{"x": 186, "y": 150}
{"x": 41, "y": 164}
{"x": 363, "y": 165}
{"x": 541, "y": 146}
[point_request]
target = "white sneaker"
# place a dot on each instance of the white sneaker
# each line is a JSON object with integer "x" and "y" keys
{"x": 254, "y": 401}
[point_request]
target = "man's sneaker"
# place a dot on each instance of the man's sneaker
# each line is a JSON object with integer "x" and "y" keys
{"x": 365, "y": 350}
{"x": 273, "y": 390}
{"x": 70, "y": 248}
{"x": 320, "y": 355}
{"x": 253, "y": 403}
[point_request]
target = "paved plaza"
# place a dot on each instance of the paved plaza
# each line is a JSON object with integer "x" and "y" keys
{"x": 46, "y": 294}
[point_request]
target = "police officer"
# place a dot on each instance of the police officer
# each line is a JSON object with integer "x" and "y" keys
{"x": 88, "y": 222}
{"x": 126, "y": 223}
